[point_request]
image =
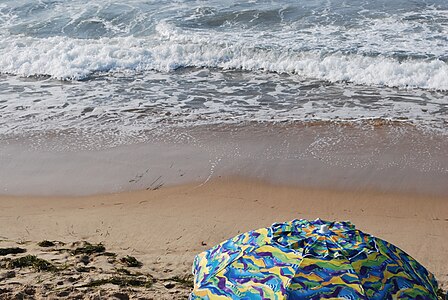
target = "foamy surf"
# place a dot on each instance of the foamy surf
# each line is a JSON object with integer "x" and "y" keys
{"x": 129, "y": 67}
{"x": 77, "y": 59}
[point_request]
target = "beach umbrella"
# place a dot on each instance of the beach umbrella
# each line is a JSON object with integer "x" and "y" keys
{"x": 309, "y": 260}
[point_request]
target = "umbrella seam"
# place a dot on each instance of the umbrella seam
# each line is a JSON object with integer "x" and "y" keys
{"x": 350, "y": 263}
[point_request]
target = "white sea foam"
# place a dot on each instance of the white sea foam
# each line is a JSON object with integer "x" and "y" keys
{"x": 139, "y": 102}
{"x": 68, "y": 58}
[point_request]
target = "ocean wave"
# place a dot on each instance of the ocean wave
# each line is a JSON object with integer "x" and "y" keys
{"x": 77, "y": 59}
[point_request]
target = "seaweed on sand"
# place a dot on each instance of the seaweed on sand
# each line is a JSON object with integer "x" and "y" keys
{"x": 131, "y": 261}
{"x": 122, "y": 281}
{"x": 46, "y": 243}
{"x": 16, "y": 250}
{"x": 31, "y": 261}
{"x": 89, "y": 249}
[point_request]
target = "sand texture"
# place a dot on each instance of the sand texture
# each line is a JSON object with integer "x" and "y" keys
{"x": 164, "y": 229}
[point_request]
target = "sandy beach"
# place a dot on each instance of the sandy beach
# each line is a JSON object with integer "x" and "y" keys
{"x": 162, "y": 202}
{"x": 166, "y": 228}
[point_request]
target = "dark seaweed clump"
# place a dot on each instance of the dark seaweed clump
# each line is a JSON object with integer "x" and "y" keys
{"x": 131, "y": 261}
{"x": 6, "y": 251}
{"x": 187, "y": 281}
{"x": 89, "y": 249}
{"x": 31, "y": 261}
{"x": 46, "y": 244}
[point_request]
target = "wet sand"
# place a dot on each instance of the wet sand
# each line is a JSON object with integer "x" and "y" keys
{"x": 390, "y": 158}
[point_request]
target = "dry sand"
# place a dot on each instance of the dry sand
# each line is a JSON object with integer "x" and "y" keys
{"x": 166, "y": 228}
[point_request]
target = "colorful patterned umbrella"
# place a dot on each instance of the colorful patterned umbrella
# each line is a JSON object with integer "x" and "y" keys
{"x": 309, "y": 260}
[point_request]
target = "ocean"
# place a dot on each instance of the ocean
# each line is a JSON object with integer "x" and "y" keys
{"x": 129, "y": 67}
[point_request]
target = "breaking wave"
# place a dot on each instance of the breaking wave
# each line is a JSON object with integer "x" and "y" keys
{"x": 77, "y": 59}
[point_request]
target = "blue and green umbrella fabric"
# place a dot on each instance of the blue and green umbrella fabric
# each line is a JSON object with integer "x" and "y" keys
{"x": 309, "y": 260}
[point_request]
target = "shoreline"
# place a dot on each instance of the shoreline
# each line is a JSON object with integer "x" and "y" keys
{"x": 166, "y": 228}
{"x": 389, "y": 158}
